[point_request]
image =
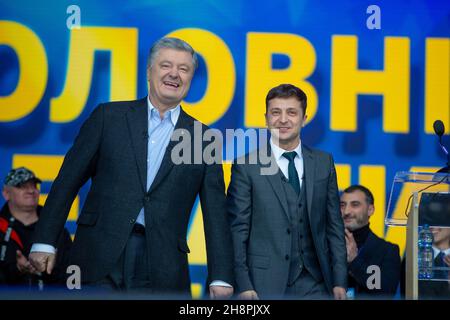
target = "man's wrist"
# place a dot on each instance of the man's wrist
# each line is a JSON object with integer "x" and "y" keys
{"x": 42, "y": 247}
{"x": 220, "y": 283}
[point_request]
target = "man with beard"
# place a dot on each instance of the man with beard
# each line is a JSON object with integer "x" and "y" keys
{"x": 365, "y": 249}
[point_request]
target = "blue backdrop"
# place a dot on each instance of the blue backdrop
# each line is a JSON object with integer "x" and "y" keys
{"x": 376, "y": 79}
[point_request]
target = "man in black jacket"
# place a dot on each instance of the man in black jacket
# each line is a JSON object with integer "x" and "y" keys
{"x": 18, "y": 218}
{"x": 132, "y": 229}
{"x": 373, "y": 263}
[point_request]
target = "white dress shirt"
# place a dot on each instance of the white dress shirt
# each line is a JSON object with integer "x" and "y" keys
{"x": 283, "y": 163}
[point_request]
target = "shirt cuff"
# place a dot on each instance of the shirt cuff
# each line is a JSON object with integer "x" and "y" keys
{"x": 220, "y": 283}
{"x": 41, "y": 247}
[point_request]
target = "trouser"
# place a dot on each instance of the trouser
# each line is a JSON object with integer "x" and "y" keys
{"x": 131, "y": 272}
{"x": 306, "y": 287}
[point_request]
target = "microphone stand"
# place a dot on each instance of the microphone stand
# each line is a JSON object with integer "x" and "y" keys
{"x": 445, "y": 169}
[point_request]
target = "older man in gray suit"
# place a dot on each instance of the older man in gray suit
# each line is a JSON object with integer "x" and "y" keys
{"x": 288, "y": 234}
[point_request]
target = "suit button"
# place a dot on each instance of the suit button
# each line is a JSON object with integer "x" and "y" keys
{"x": 287, "y": 257}
{"x": 147, "y": 198}
{"x": 288, "y": 231}
{"x": 299, "y": 205}
{"x": 302, "y": 252}
{"x": 301, "y": 237}
{"x": 132, "y": 221}
{"x": 301, "y": 220}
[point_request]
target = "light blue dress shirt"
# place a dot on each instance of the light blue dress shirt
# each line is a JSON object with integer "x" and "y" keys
{"x": 159, "y": 133}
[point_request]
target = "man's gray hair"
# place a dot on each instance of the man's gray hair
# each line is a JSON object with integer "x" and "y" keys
{"x": 171, "y": 43}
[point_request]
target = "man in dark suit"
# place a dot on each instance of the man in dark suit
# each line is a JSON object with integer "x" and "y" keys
{"x": 365, "y": 251}
{"x": 132, "y": 229}
{"x": 441, "y": 253}
{"x": 287, "y": 230}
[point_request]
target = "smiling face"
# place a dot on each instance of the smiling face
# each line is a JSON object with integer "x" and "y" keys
{"x": 441, "y": 237}
{"x": 169, "y": 77}
{"x": 285, "y": 120}
{"x": 355, "y": 210}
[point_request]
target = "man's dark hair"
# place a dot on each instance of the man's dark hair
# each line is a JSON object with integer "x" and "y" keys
{"x": 368, "y": 194}
{"x": 287, "y": 91}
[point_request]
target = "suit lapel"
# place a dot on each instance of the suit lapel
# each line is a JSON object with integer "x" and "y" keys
{"x": 277, "y": 185}
{"x": 309, "y": 168}
{"x": 184, "y": 122}
{"x": 137, "y": 121}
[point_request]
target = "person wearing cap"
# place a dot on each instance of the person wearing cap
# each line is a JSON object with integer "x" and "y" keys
{"x": 18, "y": 218}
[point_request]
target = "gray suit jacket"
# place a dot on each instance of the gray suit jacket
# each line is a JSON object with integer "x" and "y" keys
{"x": 111, "y": 151}
{"x": 258, "y": 211}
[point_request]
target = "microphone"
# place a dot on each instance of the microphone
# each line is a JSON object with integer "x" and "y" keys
{"x": 439, "y": 129}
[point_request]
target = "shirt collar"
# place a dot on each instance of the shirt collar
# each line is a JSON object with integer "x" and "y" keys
{"x": 173, "y": 113}
{"x": 278, "y": 152}
{"x": 437, "y": 251}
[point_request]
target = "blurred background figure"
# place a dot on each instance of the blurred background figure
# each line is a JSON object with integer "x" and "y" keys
{"x": 365, "y": 249}
{"x": 18, "y": 218}
{"x": 441, "y": 254}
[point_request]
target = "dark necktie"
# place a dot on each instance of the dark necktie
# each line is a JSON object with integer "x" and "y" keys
{"x": 293, "y": 175}
{"x": 439, "y": 262}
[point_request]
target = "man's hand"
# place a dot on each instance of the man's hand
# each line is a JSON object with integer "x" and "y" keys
{"x": 43, "y": 261}
{"x": 23, "y": 265}
{"x": 248, "y": 295}
{"x": 352, "y": 248}
{"x": 339, "y": 293}
{"x": 220, "y": 292}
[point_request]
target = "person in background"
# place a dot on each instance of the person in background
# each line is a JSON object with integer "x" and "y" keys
{"x": 18, "y": 219}
{"x": 365, "y": 249}
{"x": 441, "y": 253}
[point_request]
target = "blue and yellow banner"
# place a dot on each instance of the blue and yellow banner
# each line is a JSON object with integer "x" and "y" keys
{"x": 376, "y": 73}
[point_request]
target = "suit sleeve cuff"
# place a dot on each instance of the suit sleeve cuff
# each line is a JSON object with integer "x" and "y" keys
{"x": 220, "y": 283}
{"x": 41, "y": 247}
